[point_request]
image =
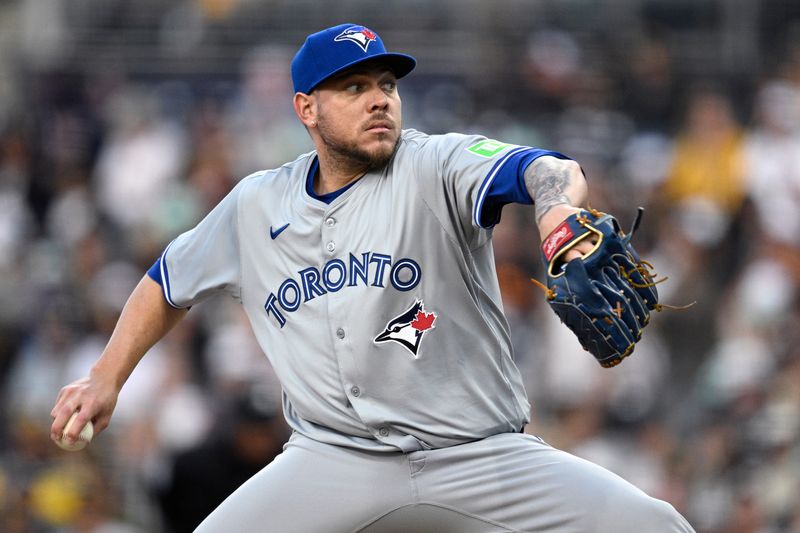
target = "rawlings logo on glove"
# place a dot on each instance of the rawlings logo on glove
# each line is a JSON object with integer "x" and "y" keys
{"x": 605, "y": 296}
{"x": 559, "y": 236}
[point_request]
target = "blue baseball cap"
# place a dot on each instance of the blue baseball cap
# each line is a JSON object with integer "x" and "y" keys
{"x": 335, "y": 49}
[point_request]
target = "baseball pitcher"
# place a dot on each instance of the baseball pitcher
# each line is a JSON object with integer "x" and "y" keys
{"x": 366, "y": 270}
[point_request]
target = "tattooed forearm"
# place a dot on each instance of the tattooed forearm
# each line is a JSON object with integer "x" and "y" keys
{"x": 547, "y": 182}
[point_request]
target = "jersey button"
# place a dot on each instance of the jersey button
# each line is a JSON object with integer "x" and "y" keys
{"x": 356, "y": 391}
{"x": 340, "y": 333}
{"x": 331, "y": 246}
{"x": 330, "y": 222}
{"x": 384, "y": 431}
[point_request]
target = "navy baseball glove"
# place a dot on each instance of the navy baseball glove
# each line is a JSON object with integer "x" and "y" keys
{"x": 604, "y": 297}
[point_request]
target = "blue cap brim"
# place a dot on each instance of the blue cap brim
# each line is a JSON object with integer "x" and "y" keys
{"x": 399, "y": 64}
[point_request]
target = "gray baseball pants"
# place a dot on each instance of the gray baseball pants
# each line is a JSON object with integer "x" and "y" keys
{"x": 507, "y": 482}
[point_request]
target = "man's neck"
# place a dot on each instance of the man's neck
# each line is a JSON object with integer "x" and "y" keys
{"x": 335, "y": 173}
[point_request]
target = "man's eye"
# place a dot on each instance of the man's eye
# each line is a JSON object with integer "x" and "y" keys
{"x": 389, "y": 86}
{"x": 353, "y": 88}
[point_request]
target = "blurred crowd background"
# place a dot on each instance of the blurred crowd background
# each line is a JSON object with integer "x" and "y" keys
{"x": 122, "y": 123}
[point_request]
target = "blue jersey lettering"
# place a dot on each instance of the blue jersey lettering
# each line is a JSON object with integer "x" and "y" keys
{"x": 404, "y": 275}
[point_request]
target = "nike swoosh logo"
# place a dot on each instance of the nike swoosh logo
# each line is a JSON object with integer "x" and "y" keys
{"x": 274, "y": 233}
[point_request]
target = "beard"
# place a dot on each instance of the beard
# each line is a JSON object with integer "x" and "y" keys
{"x": 350, "y": 153}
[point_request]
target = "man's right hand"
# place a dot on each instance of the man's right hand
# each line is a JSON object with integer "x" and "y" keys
{"x": 145, "y": 319}
{"x": 92, "y": 397}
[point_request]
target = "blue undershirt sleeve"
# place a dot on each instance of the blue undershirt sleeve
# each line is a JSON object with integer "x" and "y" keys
{"x": 155, "y": 272}
{"x": 508, "y": 185}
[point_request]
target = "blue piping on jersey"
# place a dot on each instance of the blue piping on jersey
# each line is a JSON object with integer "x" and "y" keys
{"x": 327, "y": 197}
{"x": 510, "y": 188}
{"x": 165, "y": 277}
{"x": 476, "y": 211}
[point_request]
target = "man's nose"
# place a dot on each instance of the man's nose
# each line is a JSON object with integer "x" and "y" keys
{"x": 378, "y": 100}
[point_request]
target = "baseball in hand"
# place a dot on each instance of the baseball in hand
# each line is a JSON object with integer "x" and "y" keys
{"x": 84, "y": 437}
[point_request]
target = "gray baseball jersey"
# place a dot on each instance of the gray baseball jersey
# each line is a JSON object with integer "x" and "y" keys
{"x": 379, "y": 311}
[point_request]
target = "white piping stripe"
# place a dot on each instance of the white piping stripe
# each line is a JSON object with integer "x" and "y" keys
{"x": 165, "y": 278}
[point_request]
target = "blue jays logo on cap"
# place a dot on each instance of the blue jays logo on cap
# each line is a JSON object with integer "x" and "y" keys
{"x": 329, "y": 52}
{"x": 359, "y": 35}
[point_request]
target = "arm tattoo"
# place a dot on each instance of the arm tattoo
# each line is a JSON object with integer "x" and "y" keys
{"x": 546, "y": 184}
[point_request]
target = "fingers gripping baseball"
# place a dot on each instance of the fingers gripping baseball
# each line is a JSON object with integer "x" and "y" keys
{"x": 90, "y": 400}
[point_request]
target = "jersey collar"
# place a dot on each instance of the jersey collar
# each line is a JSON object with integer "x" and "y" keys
{"x": 329, "y": 196}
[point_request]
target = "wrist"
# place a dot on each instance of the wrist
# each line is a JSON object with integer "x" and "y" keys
{"x": 105, "y": 376}
{"x": 553, "y": 217}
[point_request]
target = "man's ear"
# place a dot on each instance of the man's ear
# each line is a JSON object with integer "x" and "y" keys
{"x": 305, "y": 106}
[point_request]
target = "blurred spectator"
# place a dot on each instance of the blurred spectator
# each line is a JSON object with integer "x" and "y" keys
{"x": 44, "y": 36}
{"x": 706, "y": 181}
{"x": 649, "y": 86}
{"x": 261, "y": 122}
{"x": 16, "y": 219}
{"x": 553, "y": 67}
{"x": 645, "y": 163}
{"x": 591, "y": 130}
{"x": 773, "y": 162}
{"x": 141, "y": 160}
{"x": 232, "y": 357}
{"x": 122, "y": 123}
{"x": 249, "y": 434}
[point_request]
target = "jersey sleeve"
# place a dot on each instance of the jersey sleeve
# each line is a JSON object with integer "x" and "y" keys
{"x": 205, "y": 260}
{"x": 477, "y": 176}
{"x": 506, "y": 186}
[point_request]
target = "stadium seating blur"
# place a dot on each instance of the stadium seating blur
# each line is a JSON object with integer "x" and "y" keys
{"x": 122, "y": 123}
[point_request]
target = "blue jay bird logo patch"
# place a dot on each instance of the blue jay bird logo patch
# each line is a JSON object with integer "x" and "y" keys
{"x": 357, "y": 34}
{"x": 408, "y": 328}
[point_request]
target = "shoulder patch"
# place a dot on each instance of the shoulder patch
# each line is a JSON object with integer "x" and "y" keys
{"x": 487, "y": 148}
